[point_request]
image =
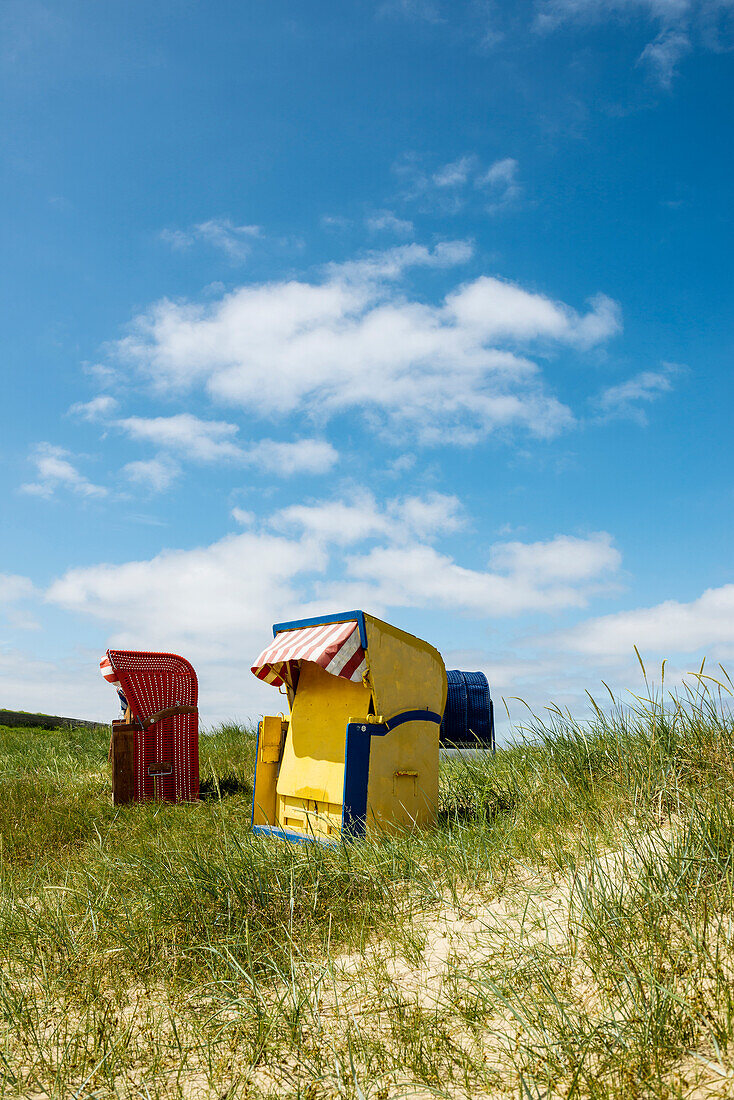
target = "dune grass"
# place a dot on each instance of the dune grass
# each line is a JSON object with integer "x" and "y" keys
{"x": 566, "y": 930}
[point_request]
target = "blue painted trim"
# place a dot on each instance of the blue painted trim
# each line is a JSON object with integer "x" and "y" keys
{"x": 291, "y": 837}
{"x": 412, "y": 716}
{"x": 356, "y": 775}
{"x": 254, "y": 777}
{"x": 357, "y": 765}
{"x": 322, "y": 620}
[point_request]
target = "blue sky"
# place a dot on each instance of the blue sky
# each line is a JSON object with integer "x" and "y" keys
{"x": 417, "y": 306}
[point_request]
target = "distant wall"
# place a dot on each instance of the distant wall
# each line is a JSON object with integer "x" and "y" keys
{"x": 17, "y": 718}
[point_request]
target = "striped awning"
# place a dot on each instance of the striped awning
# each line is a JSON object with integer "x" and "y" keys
{"x": 109, "y": 672}
{"x": 336, "y": 647}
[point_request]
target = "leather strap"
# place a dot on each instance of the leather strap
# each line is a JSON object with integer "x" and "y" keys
{"x": 146, "y": 723}
{"x": 169, "y": 712}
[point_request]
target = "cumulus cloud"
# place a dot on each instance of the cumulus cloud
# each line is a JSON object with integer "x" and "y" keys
{"x": 215, "y": 603}
{"x": 670, "y": 627}
{"x": 54, "y": 470}
{"x": 562, "y": 573}
{"x": 450, "y": 186}
{"x": 99, "y": 408}
{"x": 494, "y": 310}
{"x": 201, "y": 440}
{"x": 564, "y": 558}
{"x": 385, "y": 220}
{"x": 626, "y": 398}
{"x": 355, "y": 340}
{"x": 211, "y": 441}
{"x": 221, "y": 233}
{"x": 502, "y": 184}
{"x": 299, "y": 456}
{"x": 365, "y": 274}
{"x": 456, "y": 173}
{"x": 208, "y": 601}
{"x": 345, "y": 522}
{"x": 154, "y": 474}
{"x": 243, "y": 517}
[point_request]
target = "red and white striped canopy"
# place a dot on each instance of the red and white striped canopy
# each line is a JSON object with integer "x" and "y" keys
{"x": 336, "y": 647}
{"x": 109, "y": 672}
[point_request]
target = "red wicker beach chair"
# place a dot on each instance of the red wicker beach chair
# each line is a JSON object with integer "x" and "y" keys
{"x": 155, "y": 748}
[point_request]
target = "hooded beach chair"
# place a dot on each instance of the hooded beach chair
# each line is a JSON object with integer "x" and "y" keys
{"x": 468, "y": 720}
{"x": 155, "y": 747}
{"x": 358, "y": 751}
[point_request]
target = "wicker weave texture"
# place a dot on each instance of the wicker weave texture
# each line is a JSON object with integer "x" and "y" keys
{"x": 152, "y": 682}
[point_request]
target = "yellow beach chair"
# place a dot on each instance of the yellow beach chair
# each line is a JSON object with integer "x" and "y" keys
{"x": 358, "y": 749}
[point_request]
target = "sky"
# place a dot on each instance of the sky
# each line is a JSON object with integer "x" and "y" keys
{"x": 416, "y": 306}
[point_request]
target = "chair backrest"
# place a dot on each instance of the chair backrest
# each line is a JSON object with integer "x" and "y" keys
{"x": 153, "y": 682}
{"x": 469, "y": 715}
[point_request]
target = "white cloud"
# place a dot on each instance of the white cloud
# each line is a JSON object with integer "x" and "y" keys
{"x": 663, "y": 54}
{"x": 665, "y": 629}
{"x": 501, "y": 181}
{"x": 494, "y": 310}
{"x": 623, "y": 400}
{"x": 673, "y": 17}
{"x": 70, "y": 686}
{"x": 300, "y": 456}
{"x": 336, "y": 521}
{"x": 234, "y": 240}
{"x": 55, "y": 471}
{"x": 388, "y": 265}
{"x": 354, "y": 340}
{"x": 401, "y": 465}
{"x": 386, "y": 220}
{"x": 428, "y": 516}
{"x": 449, "y": 187}
{"x": 680, "y": 25}
{"x": 212, "y": 602}
{"x": 155, "y": 474}
{"x": 420, "y": 576}
{"x": 213, "y": 441}
{"x": 552, "y": 13}
{"x": 456, "y": 173}
{"x": 200, "y": 440}
{"x": 103, "y": 374}
{"x": 14, "y": 588}
{"x": 345, "y": 522}
{"x": 215, "y": 603}
{"x": 99, "y": 408}
{"x": 334, "y": 221}
{"x": 564, "y": 558}
{"x": 244, "y": 518}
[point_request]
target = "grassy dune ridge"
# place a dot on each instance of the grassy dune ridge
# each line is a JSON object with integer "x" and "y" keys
{"x": 566, "y": 930}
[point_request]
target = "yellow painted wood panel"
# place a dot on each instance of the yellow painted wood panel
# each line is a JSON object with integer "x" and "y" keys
{"x": 313, "y": 760}
{"x": 408, "y": 799}
{"x": 407, "y": 673}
